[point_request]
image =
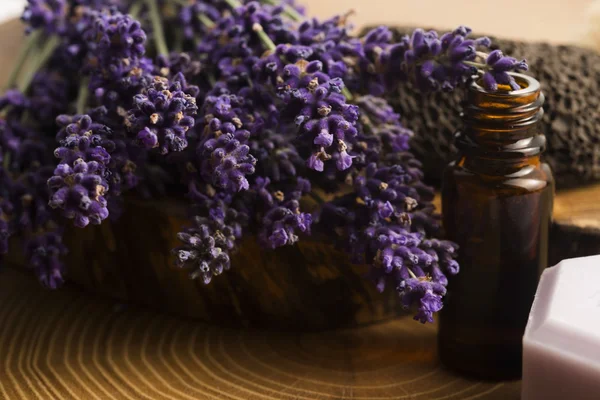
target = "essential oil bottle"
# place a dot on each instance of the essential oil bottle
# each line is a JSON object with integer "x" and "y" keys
{"x": 497, "y": 202}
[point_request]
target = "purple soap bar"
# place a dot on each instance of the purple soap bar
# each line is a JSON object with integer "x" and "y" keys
{"x": 561, "y": 346}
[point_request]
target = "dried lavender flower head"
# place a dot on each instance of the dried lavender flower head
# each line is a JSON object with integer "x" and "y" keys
{"x": 162, "y": 115}
{"x": 79, "y": 185}
{"x": 49, "y": 15}
{"x": 436, "y": 62}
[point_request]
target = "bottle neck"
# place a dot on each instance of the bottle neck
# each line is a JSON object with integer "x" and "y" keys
{"x": 501, "y": 132}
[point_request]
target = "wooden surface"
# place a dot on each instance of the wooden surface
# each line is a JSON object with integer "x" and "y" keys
{"x": 70, "y": 345}
{"x": 576, "y": 231}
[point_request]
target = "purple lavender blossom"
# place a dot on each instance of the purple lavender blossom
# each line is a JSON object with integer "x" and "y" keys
{"x": 276, "y": 155}
{"x": 387, "y": 191}
{"x": 48, "y": 96}
{"x": 44, "y": 252}
{"x": 114, "y": 36}
{"x": 239, "y": 38}
{"x": 424, "y": 292}
{"x": 209, "y": 243}
{"x": 227, "y": 159}
{"x": 498, "y": 65}
{"x": 115, "y": 45}
{"x": 162, "y": 115}
{"x": 14, "y": 99}
{"x": 283, "y": 220}
{"x": 78, "y": 186}
{"x": 326, "y": 121}
{"x": 198, "y": 18}
{"x": 49, "y": 15}
{"x": 380, "y": 131}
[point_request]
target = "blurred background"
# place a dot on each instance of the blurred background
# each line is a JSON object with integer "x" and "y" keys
{"x": 556, "y": 21}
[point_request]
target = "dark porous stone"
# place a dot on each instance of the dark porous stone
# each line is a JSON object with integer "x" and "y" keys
{"x": 570, "y": 79}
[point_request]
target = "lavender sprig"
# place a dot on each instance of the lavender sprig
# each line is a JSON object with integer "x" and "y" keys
{"x": 283, "y": 219}
{"x": 49, "y": 15}
{"x": 326, "y": 121}
{"x": 224, "y": 145}
{"x": 162, "y": 115}
{"x": 44, "y": 254}
{"x": 79, "y": 184}
{"x": 210, "y": 241}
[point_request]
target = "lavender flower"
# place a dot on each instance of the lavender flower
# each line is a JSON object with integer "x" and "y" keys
{"x": 389, "y": 192}
{"x": 326, "y": 121}
{"x": 424, "y": 292}
{"x": 49, "y": 96}
{"x": 209, "y": 243}
{"x": 15, "y": 100}
{"x": 49, "y": 15}
{"x": 283, "y": 219}
{"x": 44, "y": 252}
{"x": 198, "y": 18}
{"x": 497, "y": 67}
{"x": 162, "y": 115}
{"x": 227, "y": 159}
{"x": 238, "y": 39}
{"x": 276, "y": 156}
{"x": 115, "y": 45}
{"x": 380, "y": 131}
{"x": 78, "y": 186}
{"x": 114, "y": 36}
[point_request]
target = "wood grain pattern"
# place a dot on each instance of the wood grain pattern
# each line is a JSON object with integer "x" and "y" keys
{"x": 74, "y": 346}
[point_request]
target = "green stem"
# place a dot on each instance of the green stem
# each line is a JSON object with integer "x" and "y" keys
{"x": 477, "y": 65}
{"x": 32, "y": 40}
{"x": 481, "y": 54}
{"x": 264, "y": 38}
{"x": 207, "y": 22}
{"x": 47, "y": 50}
{"x": 6, "y": 162}
{"x": 211, "y": 80}
{"x": 159, "y": 34}
{"x": 136, "y": 9}
{"x": 178, "y": 41}
{"x": 82, "y": 96}
{"x": 233, "y": 3}
{"x": 288, "y": 10}
{"x": 412, "y": 274}
{"x": 182, "y": 3}
{"x": 346, "y": 93}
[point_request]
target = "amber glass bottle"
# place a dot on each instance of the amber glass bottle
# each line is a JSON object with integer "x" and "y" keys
{"x": 497, "y": 202}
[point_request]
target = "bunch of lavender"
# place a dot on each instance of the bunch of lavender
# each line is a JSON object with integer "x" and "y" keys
{"x": 297, "y": 80}
{"x": 252, "y": 107}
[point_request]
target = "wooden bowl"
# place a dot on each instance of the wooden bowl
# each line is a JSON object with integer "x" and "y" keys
{"x": 309, "y": 286}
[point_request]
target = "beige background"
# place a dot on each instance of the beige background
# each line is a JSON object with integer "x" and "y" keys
{"x": 558, "y": 21}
